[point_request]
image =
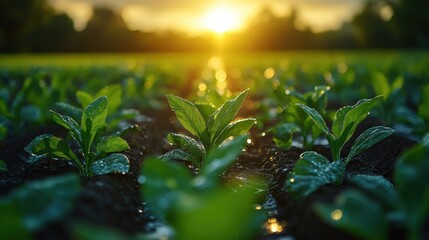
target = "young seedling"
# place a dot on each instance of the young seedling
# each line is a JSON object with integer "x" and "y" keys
{"x": 314, "y": 170}
{"x": 211, "y": 126}
{"x": 295, "y": 120}
{"x": 97, "y": 155}
{"x": 405, "y": 206}
{"x": 114, "y": 115}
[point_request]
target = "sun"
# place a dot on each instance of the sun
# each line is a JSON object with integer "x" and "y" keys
{"x": 221, "y": 20}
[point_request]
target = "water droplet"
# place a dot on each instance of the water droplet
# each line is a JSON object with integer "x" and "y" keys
{"x": 141, "y": 179}
{"x": 337, "y": 214}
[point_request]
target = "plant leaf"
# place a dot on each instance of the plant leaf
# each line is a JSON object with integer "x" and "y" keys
{"x": 68, "y": 123}
{"x": 378, "y": 187}
{"x": 112, "y": 144}
{"x": 52, "y": 147}
{"x": 412, "y": 181}
{"x": 93, "y": 118}
{"x": 94, "y": 115}
{"x": 164, "y": 183}
{"x": 357, "y": 214}
{"x": 220, "y": 159}
{"x": 311, "y": 172}
{"x": 224, "y": 115}
{"x": 338, "y": 124}
{"x": 113, "y": 94}
{"x": 189, "y": 145}
{"x": 113, "y": 163}
{"x": 316, "y": 117}
{"x": 367, "y": 139}
{"x": 355, "y": 115}
{"x": 180, "y": 155}
{"x": 187, "y": 114}
{"x": 69, "y": 110}
{"x": 234, "y": 129}
{"x": 283, "y": 134}
{"x": 46, "y": 201}
{"x": 206, "y": 109}
{"x": 84, "y": 98}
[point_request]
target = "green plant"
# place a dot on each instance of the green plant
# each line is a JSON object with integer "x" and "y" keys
{"x": 199, "y": 207}
{"x": 94, "y": 151}
{"x": 314, "y": 170}
{"x": 15, "y": 111}
{"x": 36, "y": 204}
{"x": 114, "y": 114}
{"x": 295, "y": 120}
{"x": 378, "y": 205}
{"x": 211, "y": 126}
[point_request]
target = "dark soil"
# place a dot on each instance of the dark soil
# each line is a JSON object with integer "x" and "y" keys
{"x": 114, "y": 200}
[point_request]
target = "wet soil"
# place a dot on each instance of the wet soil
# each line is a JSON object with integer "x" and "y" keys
{"x": 114, "y": 200}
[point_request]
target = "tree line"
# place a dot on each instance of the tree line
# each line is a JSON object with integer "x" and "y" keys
{"x": 34, "y": 26}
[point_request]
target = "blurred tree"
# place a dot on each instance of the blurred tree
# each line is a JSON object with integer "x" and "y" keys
{"x": 270, "y": 32}
{"x": 105, "y": 31}
{"x": 371, "y": 30}
{"x": 410, "y": 22}
{"x": 18, "y": 18}
{"x": 54, "y": 35}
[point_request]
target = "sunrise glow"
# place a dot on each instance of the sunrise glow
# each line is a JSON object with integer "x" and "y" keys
{"x": 221, "y": 20}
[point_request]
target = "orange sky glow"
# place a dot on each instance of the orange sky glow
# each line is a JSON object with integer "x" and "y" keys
{"x": 219, "y": 16}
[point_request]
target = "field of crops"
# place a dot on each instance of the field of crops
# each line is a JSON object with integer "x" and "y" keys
{"x": 293, "y": 145}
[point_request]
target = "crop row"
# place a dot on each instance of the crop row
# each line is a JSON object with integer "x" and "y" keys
{"x": 298, "y": 106}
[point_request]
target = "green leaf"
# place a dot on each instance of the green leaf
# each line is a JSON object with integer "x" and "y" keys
{"x": 68, "y": 123}
{"x": 112, "y": 144}
{"x": 217, "y": 214}
{"x": 51, "y": 146}
{"x": 311, "y": 172}
{"x": 180, "y": 155}
{"x": 412, "y": 181}
{"x": 94, "y": 115}
{"x": 84, "y": 98}
{"x": 69, "y": 110}
{"x": 93, "y": 118}
{"x": 113, "y": 163}
{"x": 220, "y": 159}
{"x": 164, "y": 183}
{"x": 206, "y": 109}
{"x": 381, "y": 84}
{"x": 189, "y": 145}
{"x": 187, "y": 114}
{"x": 316, "y": 117}
{"x": 283, "y": 134}
{"x": 367, "y": 139}
{"x": 377, "y": 187}
{"x": 11, "y": 222}
{"x": 85, "y": 231}
{"x": 353, "y": 116}
{"x": 356, "y": 214}
{"x": 337, "y": 125}
{"x": 3, "y": 166}
{"x": 30, "y": 113}
{"x": 46, "y": 201}
{"x": 234, "y": 129}
{"x": 114, "y": 95}
{"x": 224, "y": 115}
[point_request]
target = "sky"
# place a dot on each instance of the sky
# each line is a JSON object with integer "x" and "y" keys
{"x": 197, "y": 16}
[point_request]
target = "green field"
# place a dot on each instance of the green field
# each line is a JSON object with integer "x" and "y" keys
{"x": 110, "y": 116}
